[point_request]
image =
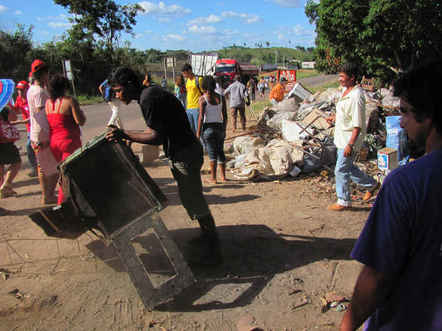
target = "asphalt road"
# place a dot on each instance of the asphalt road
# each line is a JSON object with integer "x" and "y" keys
{"x": 318, "y": 80}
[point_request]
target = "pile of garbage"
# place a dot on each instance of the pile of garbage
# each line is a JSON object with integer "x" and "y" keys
{"x": 294, "y": 137}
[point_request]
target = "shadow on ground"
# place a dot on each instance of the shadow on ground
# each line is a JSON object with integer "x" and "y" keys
{"x": 253, "y": 254}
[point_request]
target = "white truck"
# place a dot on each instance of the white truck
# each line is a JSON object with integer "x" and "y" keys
{"x": 203, "y": 64}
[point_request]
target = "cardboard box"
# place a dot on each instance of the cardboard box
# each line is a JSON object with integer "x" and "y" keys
{"x": 387, "y": 159}
{"x": 146, "y": 153}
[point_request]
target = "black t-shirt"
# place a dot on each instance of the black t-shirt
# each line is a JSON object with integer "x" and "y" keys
{"x": 164, "y": 113}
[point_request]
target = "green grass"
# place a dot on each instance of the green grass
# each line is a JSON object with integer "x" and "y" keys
{"x": 304, "y": 73}
{"x": 89, "y": 100}
{"x": 257, "y": 107}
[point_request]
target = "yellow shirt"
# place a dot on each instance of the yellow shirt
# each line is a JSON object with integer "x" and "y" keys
{"x": 193, "y": 94}
{"x": 277, "y": 92}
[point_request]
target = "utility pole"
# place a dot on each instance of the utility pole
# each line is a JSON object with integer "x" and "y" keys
{"x": 276, "y": 56}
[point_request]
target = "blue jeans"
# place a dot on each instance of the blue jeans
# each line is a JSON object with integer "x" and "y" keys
{"x": 192, "y": 116}
{"x": 346, "y": 171}
{"x": 31, "y": 154}
{"x": 213, "y": 136}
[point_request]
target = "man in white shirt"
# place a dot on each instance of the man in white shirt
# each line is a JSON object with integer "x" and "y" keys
{"x": 39, "y": 135}
{"x": 349, "y": 133}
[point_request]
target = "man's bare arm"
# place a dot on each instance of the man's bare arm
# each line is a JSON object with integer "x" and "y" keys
{"x": 371, "y": 289}
{"x": 148, "y": 136}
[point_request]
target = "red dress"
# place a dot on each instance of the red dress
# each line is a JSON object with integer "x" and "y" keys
{"x": 64, "y": 135}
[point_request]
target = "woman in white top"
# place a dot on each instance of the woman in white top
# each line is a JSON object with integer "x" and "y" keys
{"x": 212, "y": 122}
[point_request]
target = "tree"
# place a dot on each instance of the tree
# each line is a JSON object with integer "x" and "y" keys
{"x": 101, "y": 20}
{"x": 377, "y": 34}
{"x": 16, "y": 52}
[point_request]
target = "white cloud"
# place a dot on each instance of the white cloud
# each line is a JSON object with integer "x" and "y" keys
{"x": 57, "y": 25}
{"x": 203, "y": 29}
{"x": 205, "y": 20}
{"x": 18, "y": 12}
{"x": 300, "y": 30}
{"x": 162, "y": 10}
{"x": 174, "y": 37}
{"x": 3, "y": 8}
{"x": 290, "y": 3}
{"x": 247, "y": 18}
{"x": 138, "y": 36}
{"x": 61, "y": 17}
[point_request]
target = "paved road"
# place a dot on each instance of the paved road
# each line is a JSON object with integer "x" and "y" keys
{"x": 318, "y": 80}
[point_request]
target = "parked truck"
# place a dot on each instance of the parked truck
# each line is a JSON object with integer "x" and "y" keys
{"x": 229, "y": 68}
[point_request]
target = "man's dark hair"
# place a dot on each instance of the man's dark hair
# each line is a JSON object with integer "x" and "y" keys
{"x": 186, "y": 67}
{"x": 420, "y": 87}
{"x": 125, "y": 77}
{"x": 58, "y": 84}
{"x": 37, "y": 75}
{"x": 351, "y": 69}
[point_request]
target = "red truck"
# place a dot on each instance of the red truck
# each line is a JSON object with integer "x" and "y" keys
{"x": 229, "y": 68}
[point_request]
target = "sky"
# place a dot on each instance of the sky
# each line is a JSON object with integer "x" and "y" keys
{"x": 181, "y": 24}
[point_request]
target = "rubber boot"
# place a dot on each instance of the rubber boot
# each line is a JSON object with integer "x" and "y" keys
{"x": 209, "y": 243}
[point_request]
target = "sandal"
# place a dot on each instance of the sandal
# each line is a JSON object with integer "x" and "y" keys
{"x": 6, "y": 192}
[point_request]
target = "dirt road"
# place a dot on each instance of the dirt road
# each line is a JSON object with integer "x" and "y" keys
{"x": 283, "y": 250}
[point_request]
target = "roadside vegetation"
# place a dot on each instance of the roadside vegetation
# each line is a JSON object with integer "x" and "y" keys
{"x": 358, "y": 34}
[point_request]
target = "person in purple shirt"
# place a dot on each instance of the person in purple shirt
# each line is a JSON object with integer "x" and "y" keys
{"x": 400, "y": 285}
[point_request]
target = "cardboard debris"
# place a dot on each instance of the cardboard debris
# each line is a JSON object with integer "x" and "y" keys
{"x": 303, "y": 125}
{"x": 316, "y": 119}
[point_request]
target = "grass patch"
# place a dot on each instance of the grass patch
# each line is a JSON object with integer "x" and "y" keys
{"x": 257, "y": 107}
{"x": 304, "y": 73}
{"x": 89, "y": 100}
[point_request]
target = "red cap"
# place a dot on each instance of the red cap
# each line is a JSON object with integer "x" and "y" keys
{"x": 37, "y": 65}
{"x": 22, "y": 85}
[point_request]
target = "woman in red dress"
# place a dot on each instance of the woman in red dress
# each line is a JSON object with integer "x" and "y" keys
{"x": 65, "y": 118}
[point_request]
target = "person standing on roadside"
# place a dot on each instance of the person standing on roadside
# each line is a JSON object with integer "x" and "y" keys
{"x": 237, "y": 101}
{"x": 400, "y": 285}
{"x": 349, "y": 133}
{"x": 194, "y": 93}
{"x": 277, "y": 93}
{"x": 167, "y": 124}
{"x": 21, "y": 104}
{"x": 106, "y": 91}
{"x": 47, "y": 166}
{"x": 251, "y": 87}
{"x": 65, "y": 118}
{"x": 9, "y": 154}
{"x": 180, "y": 89}
{"x": 212, "y": 123}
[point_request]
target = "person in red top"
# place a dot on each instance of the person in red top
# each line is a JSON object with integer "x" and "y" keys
{"x": 64, "y": 117}
{"x": 21, "y": 104}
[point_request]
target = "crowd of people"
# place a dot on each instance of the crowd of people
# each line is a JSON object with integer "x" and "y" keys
{"x": 52, "y": 121}
{"x": 401, "y": 243}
